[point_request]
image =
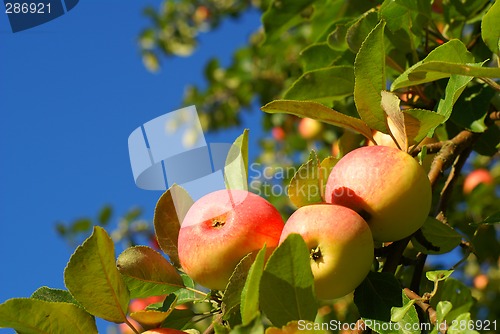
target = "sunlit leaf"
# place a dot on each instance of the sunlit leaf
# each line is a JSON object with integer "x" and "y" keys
{"x": 169, "y": 213}
{"x": 436, "y": 238}
{"x": 438, "y": 275}
{"x": 93, "y": 279}
{"x": 323, "y": 85}
{"x": 236, "y": 167}
{"x": 147, "y": 273}
{"x": 369, "y": 72}
{"x": 250, "y": 293}
{"x": 490, "y": 28}
{"x": 33, "y": 316}
{"x": 319, "y": 112}
{"x": 287, "y": 284}
{"x": 307, "y": 183}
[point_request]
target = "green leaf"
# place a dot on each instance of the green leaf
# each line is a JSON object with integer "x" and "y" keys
{"x": 33, "y": 316}
{"x": 280, "y": 17}
{"x": 409, "y": 15}
{"x": 307, "y": 183}
{"x": 358, "y": 32}
{"x": 369, "y": 72}
{"x": 471, "y": 109}
{"x": 454, "y": 89}
{"x": 169, "y": 213}
{"x": 462, "y": 325}
{"x": 420, "y": 122}
{"x": 255, "y": 326}
{"x": 376, "y": 296}
{"x": 436, "y": 238}
{"x": 236, "y": 167}
{"x": 398, "y": 313}
{"x": 179, "y": 319}
{"x": 147, "y": 273}
{"x": 486, "y": 243}
{"x": 319, "y": 112}
{"x": 232, "y": 294}
{"x": 455, "y": 292}
{"x": 92, "y": 278}
{"x": 490, "y": 28}
{"x": 442, "y": 309}
{"x": 452, "y": 54}
{"x": 185, "y": 295}
{"x": 287, "y": 284}
{"x": 250, "y": 294}
{"x": 438, "y": 275}
{"x": 318, "y": 56}
{"x": 105, "y": 215}
{"x": 403, "y": 320}
{"x": 323, "y": 85}
{"x": 493, "y": 219}
{"x": 54, "y": 295}
{"x": 445, "y": 69}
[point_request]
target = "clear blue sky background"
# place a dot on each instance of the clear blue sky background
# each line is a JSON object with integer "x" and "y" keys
{"x": 71, "y": 92}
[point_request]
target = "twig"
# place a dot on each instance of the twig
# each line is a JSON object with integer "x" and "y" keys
{"x": 452, "y": 148}
{"x": 491, "y": 83}
{"x": 418, "y": 272}
{"x": 394, "y": 257}
{"x": 426, "y": 307}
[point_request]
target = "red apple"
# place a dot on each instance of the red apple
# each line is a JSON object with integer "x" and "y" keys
{"x": 475, "y": 178}
{"x": 220, "y": 229}
{"x": 340, "y": 244}
{"x": 309, "y": 128}
{"x": 386, "y": 186}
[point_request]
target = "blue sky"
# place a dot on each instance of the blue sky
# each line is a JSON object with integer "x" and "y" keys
{"x": 71, "y": 92}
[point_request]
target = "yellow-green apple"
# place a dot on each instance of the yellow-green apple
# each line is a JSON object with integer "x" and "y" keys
{"x": 220, "y": 229}
{"x": 386, "y": 186}
{"x": 475, "y": 178}
{"x": 340, "y": 244}
{"x": 309, "y": 128}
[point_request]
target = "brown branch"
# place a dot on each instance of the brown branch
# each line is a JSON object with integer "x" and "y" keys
{"x": 426, "y": 307}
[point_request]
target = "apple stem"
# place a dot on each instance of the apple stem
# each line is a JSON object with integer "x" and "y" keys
{"x": 196, "y": 291}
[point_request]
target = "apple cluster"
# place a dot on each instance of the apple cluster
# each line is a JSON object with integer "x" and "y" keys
{"x": 373, "y": 193}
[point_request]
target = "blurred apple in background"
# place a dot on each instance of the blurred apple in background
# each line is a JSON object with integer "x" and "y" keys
{"x": 309, "y": 128}
{"x": 220, "y": 229}
{"x": 475, "y": 178}
{"x": 278, "y": 133}
{"x": 340, "y": 244}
